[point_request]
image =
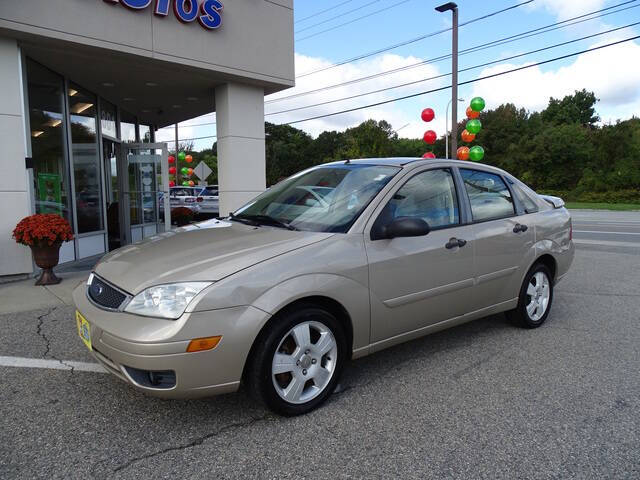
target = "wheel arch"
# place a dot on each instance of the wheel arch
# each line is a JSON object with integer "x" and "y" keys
{"x": 324, "y": 302}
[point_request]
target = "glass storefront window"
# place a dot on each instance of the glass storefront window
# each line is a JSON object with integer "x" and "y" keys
{"x": 145, "y": 133}
{"x": 86, "y": 160}
{"x": 127, "y": 127}
{"x": 108, "y": 119}
{"x": 47, "y": 141}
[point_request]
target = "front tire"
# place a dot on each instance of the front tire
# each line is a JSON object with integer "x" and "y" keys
{"x": 536, "y": 296}
{"x": 298, "y": 361}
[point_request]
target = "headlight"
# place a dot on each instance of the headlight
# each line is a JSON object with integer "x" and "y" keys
{"x": 166, "y": 301}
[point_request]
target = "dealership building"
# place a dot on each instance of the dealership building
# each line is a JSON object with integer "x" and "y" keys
{"x": 85, "y": 84}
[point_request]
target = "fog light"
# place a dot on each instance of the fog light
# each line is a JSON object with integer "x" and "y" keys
{"x": 206, "y": 343}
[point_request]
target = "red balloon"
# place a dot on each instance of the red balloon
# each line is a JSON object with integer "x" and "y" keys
{"x": 463, "y": 153}
{"x": 429, "y": 137}
{"x": 172, "y": 183}
{"x": 172, "y": 159}
{"x": 428, "y": 114}
{"x": 467, "y": 136}
{"x": 472, "y": 113}
{"x": 172, "y": 170}
{"x": 188, "y": 159}
{"x": 429, "y": 155}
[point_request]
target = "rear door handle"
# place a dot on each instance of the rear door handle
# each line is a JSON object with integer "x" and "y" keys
{"x": 455, "y": 242}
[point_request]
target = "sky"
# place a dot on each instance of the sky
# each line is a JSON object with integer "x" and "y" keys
{"x": 329, "y": 32}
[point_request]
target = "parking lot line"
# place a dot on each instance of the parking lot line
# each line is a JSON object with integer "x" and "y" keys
{"x": 50, "y": 364}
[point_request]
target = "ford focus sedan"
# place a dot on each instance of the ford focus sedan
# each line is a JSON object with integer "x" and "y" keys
{"x": 336, "y": 262}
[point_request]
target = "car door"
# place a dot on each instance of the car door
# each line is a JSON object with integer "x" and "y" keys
{"x": 504, "y": 238}
{"x": 419, "y": 281}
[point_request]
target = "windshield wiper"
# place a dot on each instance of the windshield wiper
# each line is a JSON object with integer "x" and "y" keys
{"x": 267, "y": 220}
{"x": 244, "y": 220}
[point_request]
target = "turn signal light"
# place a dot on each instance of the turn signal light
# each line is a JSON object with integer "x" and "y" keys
{"x": 201, "y": 344}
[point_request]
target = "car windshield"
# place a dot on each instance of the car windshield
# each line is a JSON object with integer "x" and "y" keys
{"x": 323, "y": 199}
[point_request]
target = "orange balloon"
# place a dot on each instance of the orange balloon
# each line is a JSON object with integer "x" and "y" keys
{"x": 463, "y": 153}
{"x": 472, "y": 113}
{"x": 188, "y": 159}
{"x": 467, "y": 136}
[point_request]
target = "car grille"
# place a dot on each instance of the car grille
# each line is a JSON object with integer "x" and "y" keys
{"x": 104, "y": 295}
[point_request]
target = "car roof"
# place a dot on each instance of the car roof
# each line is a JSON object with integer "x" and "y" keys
{"x": 412, "y": 162}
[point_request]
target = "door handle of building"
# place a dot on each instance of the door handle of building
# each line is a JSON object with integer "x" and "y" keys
{"x": 455, "y": 242}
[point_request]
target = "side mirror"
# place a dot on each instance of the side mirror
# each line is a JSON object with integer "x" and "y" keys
{"x": 402, "y": 227}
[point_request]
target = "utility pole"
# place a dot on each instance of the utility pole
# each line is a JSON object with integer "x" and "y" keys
{"x": 454, "y": 74}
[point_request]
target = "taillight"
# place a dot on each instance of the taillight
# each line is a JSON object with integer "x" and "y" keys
{"x": 199, "y": 199}
{"x": 570, "y": 231}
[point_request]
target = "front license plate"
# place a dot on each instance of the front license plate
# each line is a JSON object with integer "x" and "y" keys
{"x": 84, "y": 329}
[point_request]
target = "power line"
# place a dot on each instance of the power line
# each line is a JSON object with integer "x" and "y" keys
{"x": 493, "y": 62}
{"x": 337, "y": 16}
{"x": 502, "y": 41}
{"x": 322, "y": 11}
{"x": 465, "y": 82}
{"x": 354, "y": 20}
{"x": 413, "y": 40}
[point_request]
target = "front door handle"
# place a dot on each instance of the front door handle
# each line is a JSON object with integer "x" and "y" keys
{"x": 455, "y": 242}
{"x": 520, "y": 228}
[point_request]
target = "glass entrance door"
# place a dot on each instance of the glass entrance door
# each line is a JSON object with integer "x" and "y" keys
{"x": 144, "y": 191}
{"x": 111, "y": 154}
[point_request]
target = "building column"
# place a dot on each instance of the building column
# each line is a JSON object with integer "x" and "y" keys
{"x": 241, "y": 147}
{"x": 15, "y": 197}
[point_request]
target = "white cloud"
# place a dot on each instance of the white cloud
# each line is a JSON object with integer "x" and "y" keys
{"x": 611, "y": 73}
{"x": 564, "y": 9}
{"x": 395, "y": 113}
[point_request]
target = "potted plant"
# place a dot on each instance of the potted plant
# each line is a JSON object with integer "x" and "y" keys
{"x": 44, "y": 233}
{"x": 181, "y": 215}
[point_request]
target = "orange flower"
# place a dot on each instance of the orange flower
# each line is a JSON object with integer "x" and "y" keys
{"x": 42, "y": 228}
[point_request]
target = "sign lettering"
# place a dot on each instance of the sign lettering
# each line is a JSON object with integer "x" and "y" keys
{"x": 208, "y": 13}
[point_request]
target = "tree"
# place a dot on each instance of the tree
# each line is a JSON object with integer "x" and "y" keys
{"x": 576, "y": 108}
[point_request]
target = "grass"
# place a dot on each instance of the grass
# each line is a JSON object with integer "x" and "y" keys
{"x": 604, "y": 206}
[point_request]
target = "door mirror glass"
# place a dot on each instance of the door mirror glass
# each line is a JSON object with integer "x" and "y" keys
{"x": 405, "y": 227}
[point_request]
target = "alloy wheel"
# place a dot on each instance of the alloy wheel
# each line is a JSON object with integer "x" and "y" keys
{"x": 538, "y": 295}
{"x": 304, "y": 362}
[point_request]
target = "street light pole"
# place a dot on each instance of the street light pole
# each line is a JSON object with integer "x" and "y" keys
{"x": 454, "y": 74}
{"x": 446, "y": 129}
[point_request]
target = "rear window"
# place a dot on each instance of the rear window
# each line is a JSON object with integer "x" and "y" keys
{"x": 489, "y": 196}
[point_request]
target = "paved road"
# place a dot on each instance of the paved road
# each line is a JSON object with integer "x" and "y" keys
{"x": 606, "y": 228}
{"x": 483, "y": 400}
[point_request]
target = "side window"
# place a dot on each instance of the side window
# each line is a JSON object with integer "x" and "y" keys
{"x": 529, "y": 205}
{"x": 489, "y": 196}
{"x": 429, "y": 195}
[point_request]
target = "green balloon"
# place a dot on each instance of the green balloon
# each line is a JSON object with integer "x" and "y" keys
{"x": 477, "y": 104}
{"x": 474, "y": 126}
{"x": 181, "y": 156}
{"x": 476, "y": 153}
{"x": 185, "y": 183}
{"x": 184, "y": 171}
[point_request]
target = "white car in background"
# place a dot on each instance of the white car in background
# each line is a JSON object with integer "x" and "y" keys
{"x": 207, "y": 199}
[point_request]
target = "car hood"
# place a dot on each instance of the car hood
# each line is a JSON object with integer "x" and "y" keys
{"x": 208, "y": 251}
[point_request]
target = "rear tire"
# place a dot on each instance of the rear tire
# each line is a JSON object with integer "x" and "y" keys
{"x": 297, "y": 362}
{"x": 536, "y": 296}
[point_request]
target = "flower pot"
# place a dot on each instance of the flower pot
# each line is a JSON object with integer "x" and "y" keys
{"x": 46, "y": 257}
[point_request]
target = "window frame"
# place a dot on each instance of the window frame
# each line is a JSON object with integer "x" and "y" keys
{"x": 471, "y": 221}
{"x": 462, "y": 214}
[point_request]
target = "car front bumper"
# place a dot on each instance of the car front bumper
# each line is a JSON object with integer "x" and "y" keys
{"x": 129, "y": 346}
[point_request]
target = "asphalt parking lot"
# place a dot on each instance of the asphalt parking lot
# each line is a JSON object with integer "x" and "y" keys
{"x": 483, "y": 400}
